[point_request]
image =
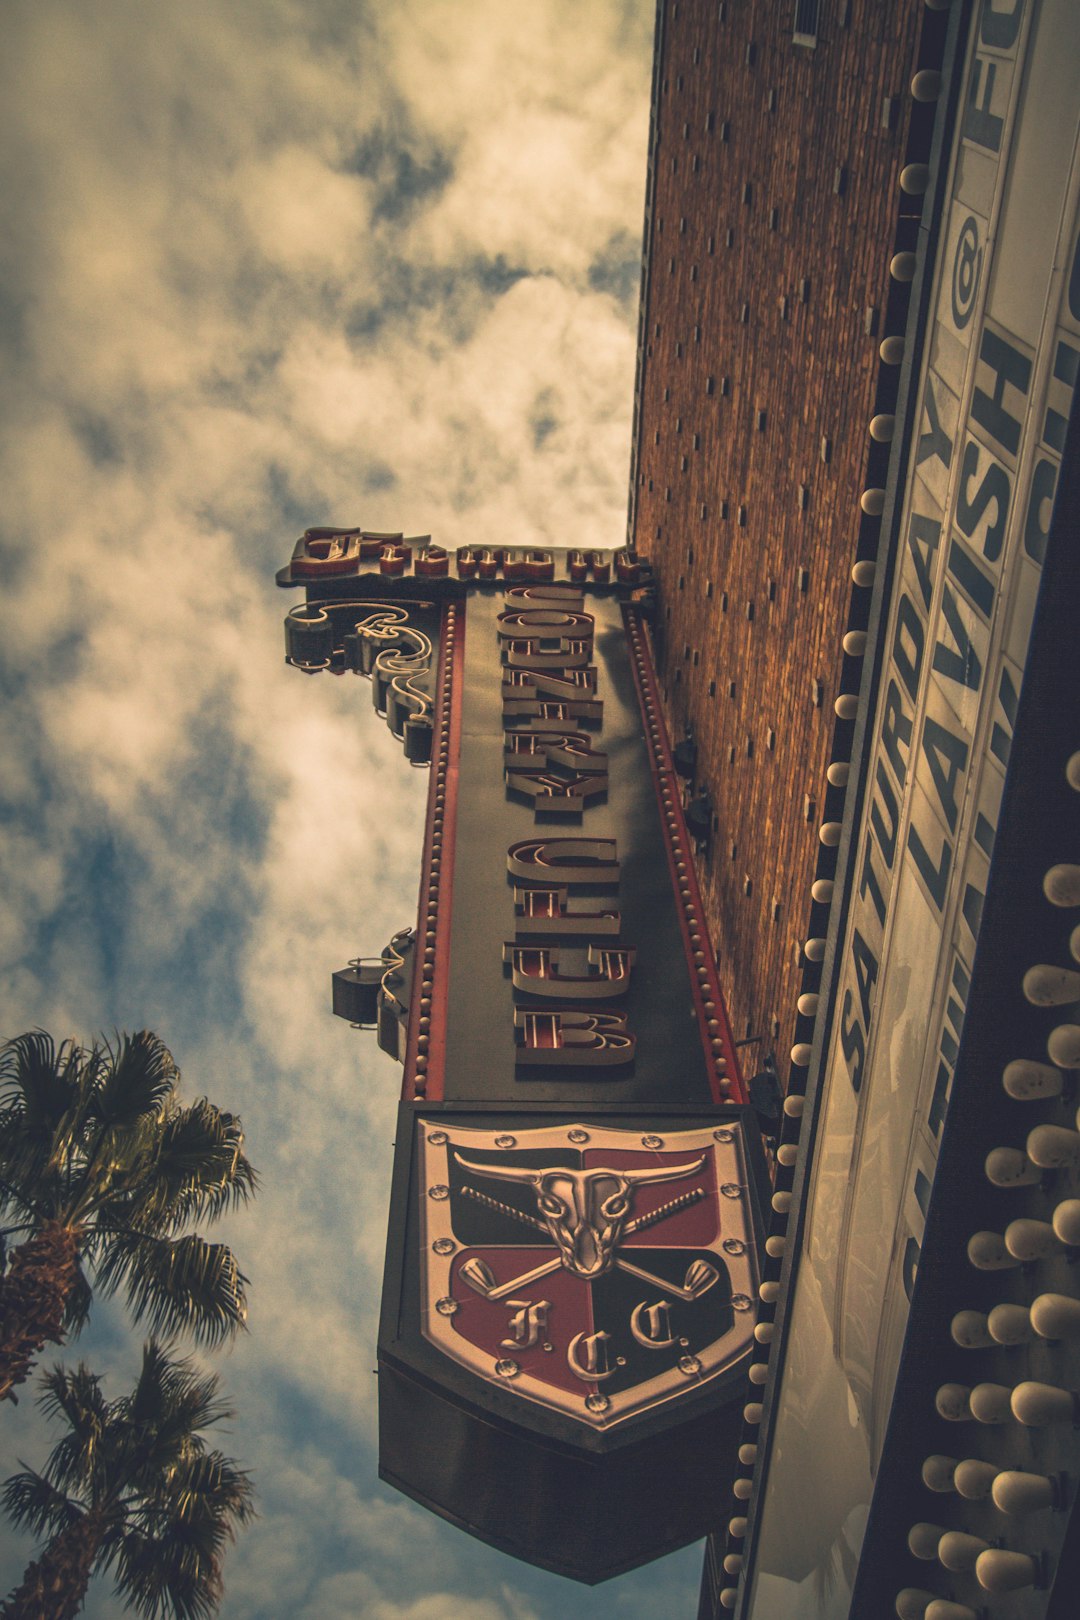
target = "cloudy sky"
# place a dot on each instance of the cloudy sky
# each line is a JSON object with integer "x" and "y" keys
{"x": 265, "y": 264}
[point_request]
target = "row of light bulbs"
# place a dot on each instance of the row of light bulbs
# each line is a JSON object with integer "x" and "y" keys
{"x": 1050, "y": 1317}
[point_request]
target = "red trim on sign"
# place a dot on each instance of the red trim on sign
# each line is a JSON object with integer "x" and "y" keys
{"x": 718, "y": 1043}
{"x": 425, "y": 1056}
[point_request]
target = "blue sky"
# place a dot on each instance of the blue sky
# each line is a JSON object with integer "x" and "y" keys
{"x": 267, "y": 265}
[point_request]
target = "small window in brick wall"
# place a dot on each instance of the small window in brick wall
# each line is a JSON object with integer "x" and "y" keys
{"x": 806, "y": 22}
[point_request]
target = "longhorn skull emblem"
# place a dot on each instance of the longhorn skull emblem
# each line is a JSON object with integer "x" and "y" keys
{"x": 585, "y": 1211}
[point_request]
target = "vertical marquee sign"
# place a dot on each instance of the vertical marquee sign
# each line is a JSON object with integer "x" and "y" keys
{"x": 573, "y": 1254}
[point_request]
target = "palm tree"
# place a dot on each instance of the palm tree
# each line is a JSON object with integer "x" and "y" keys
{"x": 102, "y": 1169}
{"x": 130, "y": 1489}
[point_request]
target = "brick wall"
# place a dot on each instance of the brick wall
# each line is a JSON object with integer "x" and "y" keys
{"x": 772, "y": 219}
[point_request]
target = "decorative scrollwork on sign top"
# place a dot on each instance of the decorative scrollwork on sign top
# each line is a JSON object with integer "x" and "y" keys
{"x": 379, "y": 640}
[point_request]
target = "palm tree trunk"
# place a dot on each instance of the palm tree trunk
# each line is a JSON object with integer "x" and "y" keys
{"x": 54, "y": 1586}
{"x": 33, "y": 1294}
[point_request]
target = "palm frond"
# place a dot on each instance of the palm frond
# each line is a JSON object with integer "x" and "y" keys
{"x": 208, "y": 1490}
{"x": 34, "y": 1503}
{"x": 200, "y": 1170}
{"x": 172, "y": 1557}
{"x": 177, "y": 1285}
{"x": 78, "y": 1461}
{"x": 73, "y": 1395}
{"x": 36, "y": 1095}
{"x": 138, "y": 1080}
{"x": 37, "y": 1076}
{"x": 167, "y": 1578}
{"x": 79, "y": 1301}
{"x": 174, "y": 1396}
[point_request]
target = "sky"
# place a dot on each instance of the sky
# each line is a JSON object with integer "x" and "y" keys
{"x": 266, "y": 265}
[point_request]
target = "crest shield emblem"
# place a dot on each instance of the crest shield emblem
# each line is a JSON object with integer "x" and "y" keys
{"x": 598, "y": 1271}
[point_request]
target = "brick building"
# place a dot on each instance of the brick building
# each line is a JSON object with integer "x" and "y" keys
{"x": 773, "y": 211}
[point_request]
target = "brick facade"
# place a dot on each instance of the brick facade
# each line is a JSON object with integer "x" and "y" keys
{"x": 774, "y": 205}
